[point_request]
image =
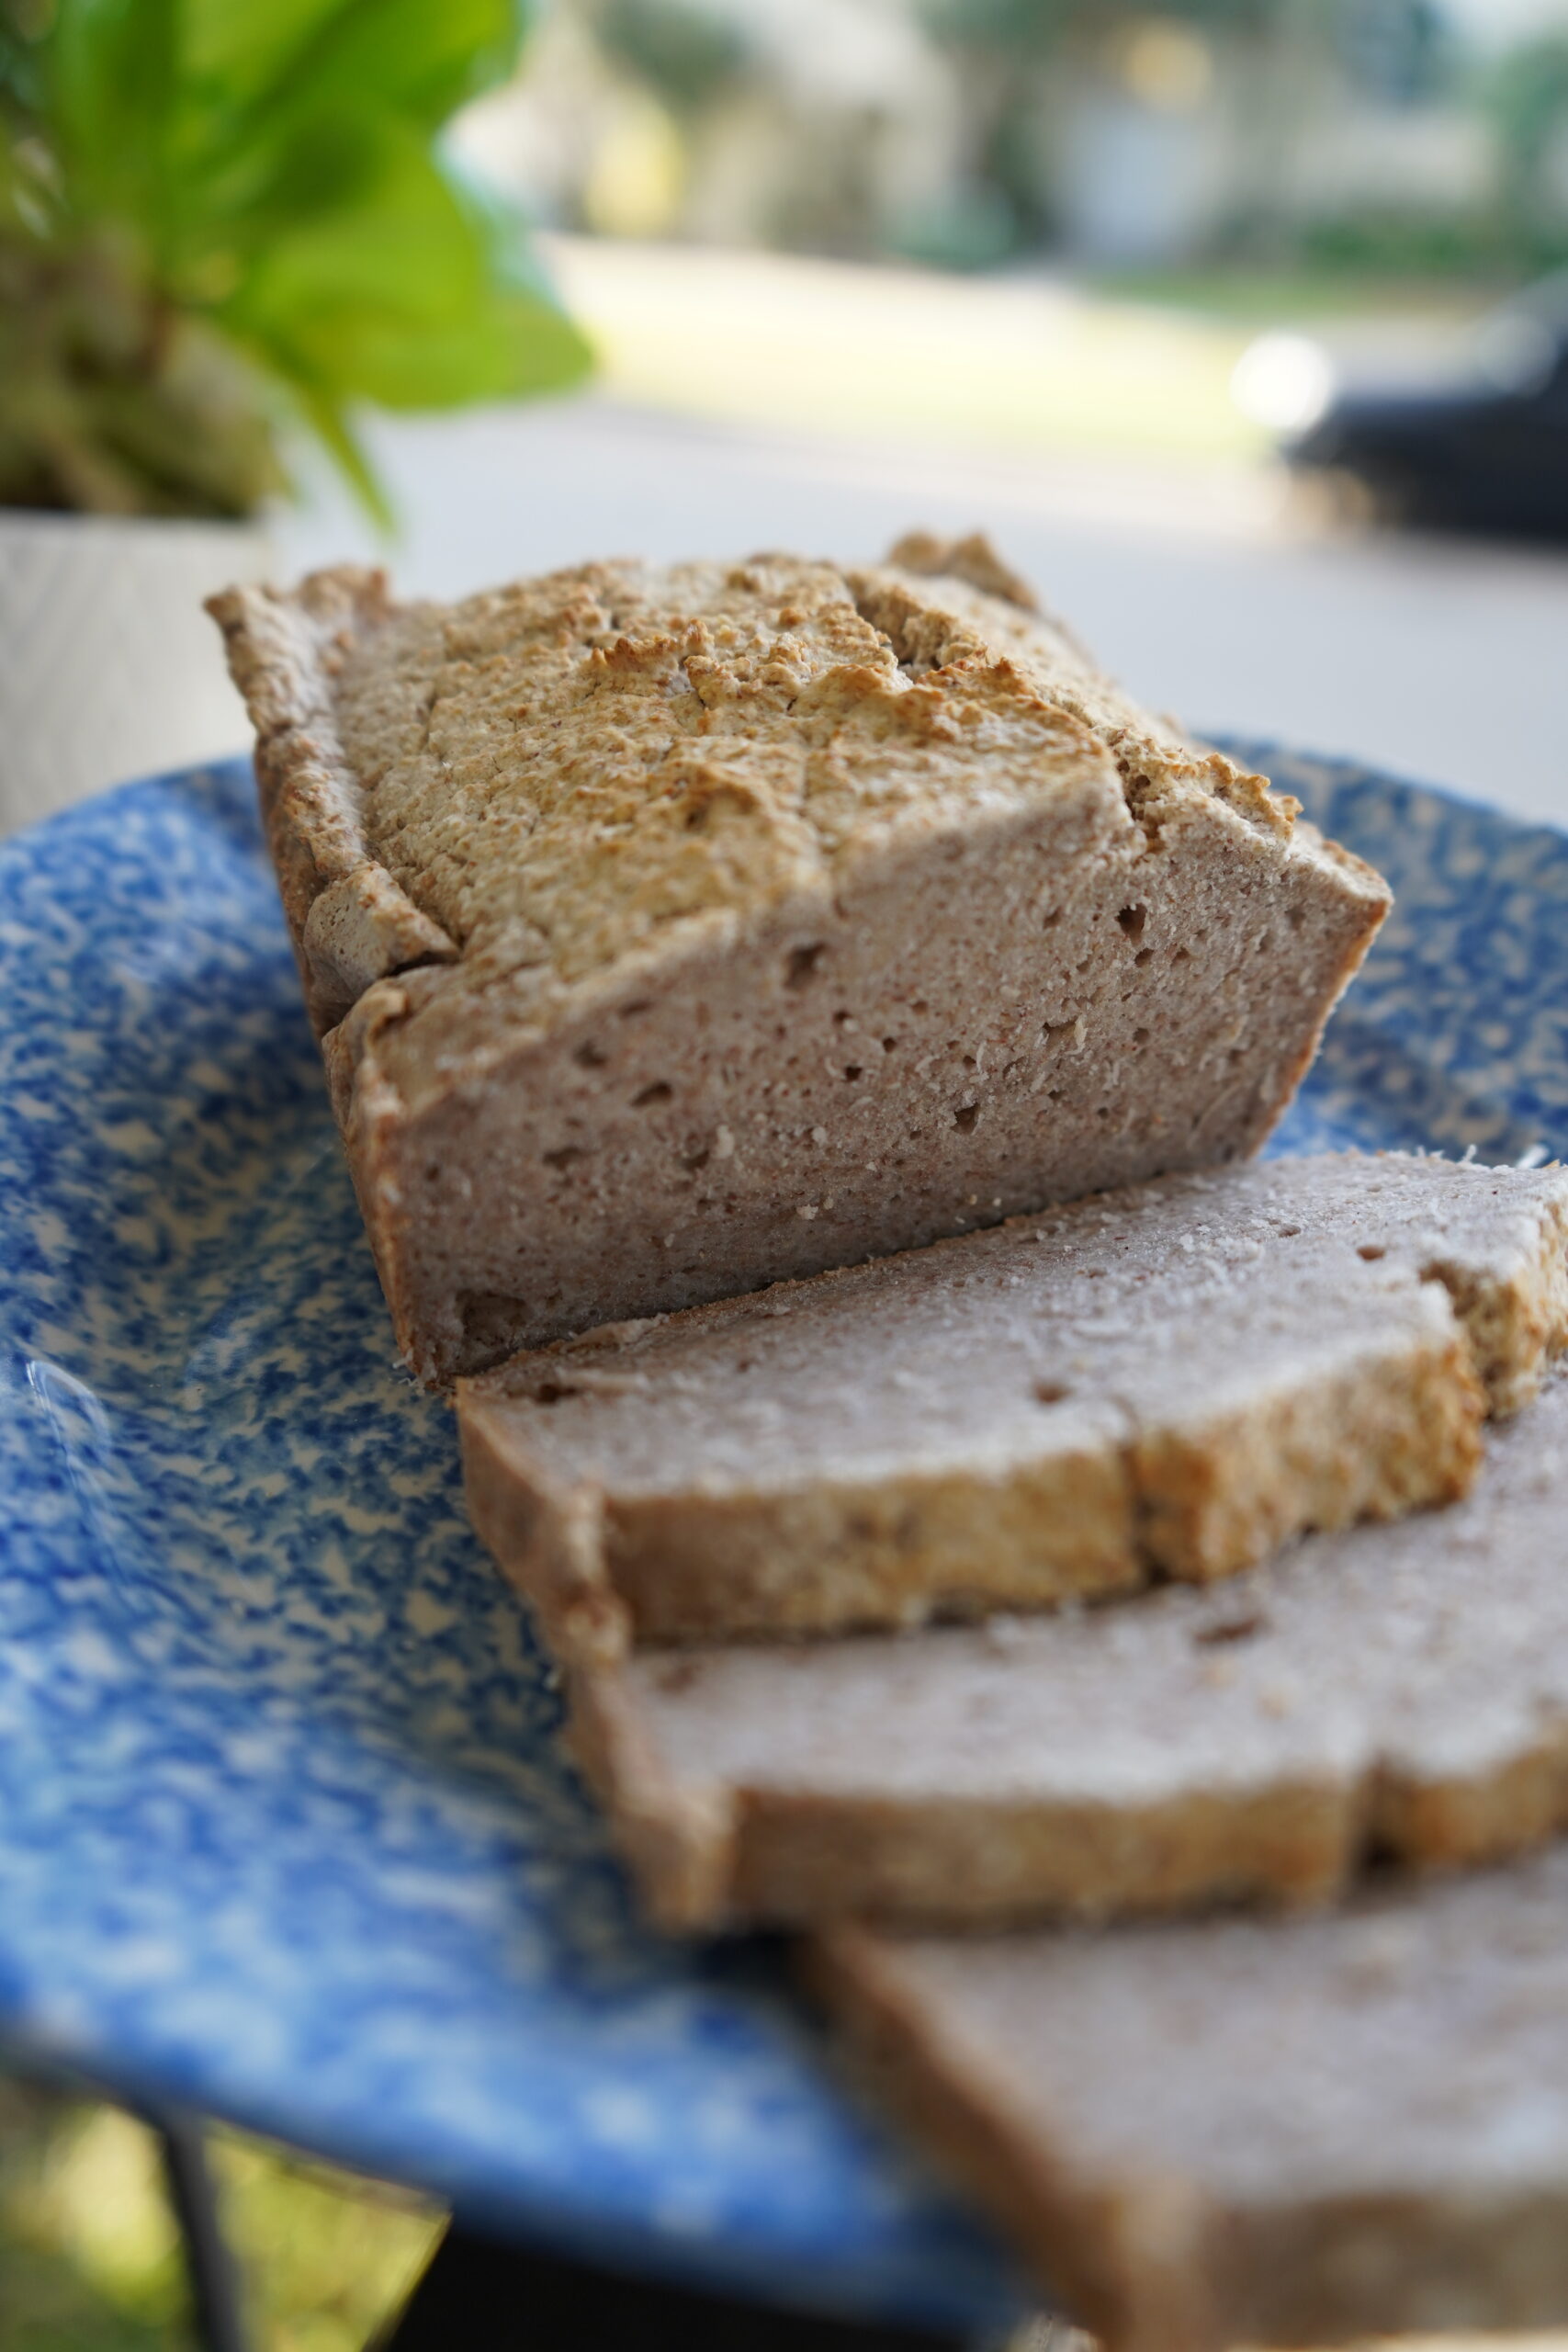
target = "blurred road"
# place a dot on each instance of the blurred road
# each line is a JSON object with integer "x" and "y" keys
{"x": 1194, "y": 582}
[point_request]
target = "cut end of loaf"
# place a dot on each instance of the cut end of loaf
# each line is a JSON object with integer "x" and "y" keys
{"x": 678, "y": 932}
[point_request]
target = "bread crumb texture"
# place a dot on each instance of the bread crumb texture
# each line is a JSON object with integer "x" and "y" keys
{"x": 1398, "y": 1690}
{"x": 1263, "y": 2132}
{"x": 1169, "y": 1380}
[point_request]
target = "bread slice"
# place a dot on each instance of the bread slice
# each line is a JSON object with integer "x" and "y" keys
{"x": 1244, "y": 2130}
{"x": 1391, "y": 1691}
{"x": 671, "y": 932}
{"x": 1168, "y": 1380}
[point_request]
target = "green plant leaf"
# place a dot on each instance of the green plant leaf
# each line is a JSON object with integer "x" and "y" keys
{"x": 328, "y": 420}
{"x": 260, "y": 165}
{"x": 266, "y": 169}
{"x": 113, "y": 85}
{"x": 513, "y": 345}
{"x": 237, "y": 51}
{"x": 419, "y": 59}
{"x": 413, "y": 296}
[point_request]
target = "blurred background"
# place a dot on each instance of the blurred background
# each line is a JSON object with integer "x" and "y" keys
{"x": 1238, "y": 325}
{"x": 1069, "y": 269}
{"x": 1072, "y": 270}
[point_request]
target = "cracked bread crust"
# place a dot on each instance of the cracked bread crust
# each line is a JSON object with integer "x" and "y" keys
{"x": 650, "y": 917}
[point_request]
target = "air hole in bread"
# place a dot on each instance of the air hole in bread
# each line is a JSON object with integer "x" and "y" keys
{"x": 550, "y": 1392}
{"x": 964, "y": 1118}
{"x": 1145, "y": 954}
{"x": 801, "y": 969}
{"x": 678, "y": 1675}
{"x": 491, "y": 1320}
{"x": 1371, "y": 1251}
{"x": 660, "y": 1092}
{"x": 1050, "y": 1392}
{"x": 853, "y": 1071}
{"x": 591, "y": 1055}
{"x": 1231, "y": 1629}
{"x": 565, "y": 1156}
{"x": 1132, "y": 919}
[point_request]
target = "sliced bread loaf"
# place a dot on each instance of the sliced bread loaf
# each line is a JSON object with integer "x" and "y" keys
{"x": 1251, "y": 2130}
{"x": 1391, "y": 1691}
{"x": 1167, "y": 1380}
{"x": 671, "y": 932}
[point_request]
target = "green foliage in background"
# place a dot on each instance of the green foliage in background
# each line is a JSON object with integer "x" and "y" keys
{"x": 1529, "y": 104}
{"x": 204, "y": 203}
{"x": 683, "y": 50}
{"x": 90, "y": 2258}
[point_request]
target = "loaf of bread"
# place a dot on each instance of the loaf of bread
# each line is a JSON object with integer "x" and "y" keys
{"x": 1290, "y": 2131}
{"x": 1167, "y": 1380}
{"x": 673, "y": 932}
{"x": 1396, "y": 1692}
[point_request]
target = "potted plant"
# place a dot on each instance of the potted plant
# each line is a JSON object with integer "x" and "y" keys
{"x": 218, "y": 219}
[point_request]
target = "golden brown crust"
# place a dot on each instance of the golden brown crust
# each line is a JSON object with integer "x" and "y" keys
{"x": 350, "y": 922}
{"x": 678, "y": 1839}
{"x": 711, "y": 1853}
{"x": 559, "y": 1529}
{"x": 1392, "y": 1437}
{"x": 780, "y": 695}
{"x": 1130, "y": 2259}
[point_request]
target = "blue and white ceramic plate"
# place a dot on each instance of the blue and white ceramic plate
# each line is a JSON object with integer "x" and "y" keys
{"x": 285, "y": 1832}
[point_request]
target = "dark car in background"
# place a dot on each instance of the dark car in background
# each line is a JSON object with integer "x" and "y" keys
{"x": 1481, "y": 447}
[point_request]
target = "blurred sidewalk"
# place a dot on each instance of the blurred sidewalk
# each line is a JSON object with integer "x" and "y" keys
{"x": 1439, "y": 658}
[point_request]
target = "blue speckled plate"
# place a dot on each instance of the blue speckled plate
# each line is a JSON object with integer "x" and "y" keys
{"x": 284, "y": 1830}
